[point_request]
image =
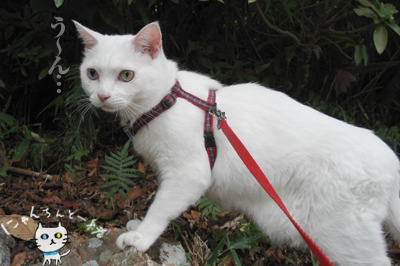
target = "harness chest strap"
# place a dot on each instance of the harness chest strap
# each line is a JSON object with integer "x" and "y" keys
{"x": 167, "y": 102}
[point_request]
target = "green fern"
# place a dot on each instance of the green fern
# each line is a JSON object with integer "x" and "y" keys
{"x": 120, "y": 172}
{"x": 209, "y": 207}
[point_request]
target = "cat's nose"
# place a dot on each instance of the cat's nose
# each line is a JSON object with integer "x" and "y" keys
{"x": 103, "y": 97}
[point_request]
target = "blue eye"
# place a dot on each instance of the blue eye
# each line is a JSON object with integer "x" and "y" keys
{"x": 44, "y": 236}
{"x": 92, "y": 74}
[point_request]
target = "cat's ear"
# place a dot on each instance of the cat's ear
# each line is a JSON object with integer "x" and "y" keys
{"x": 148, "y": 40}
{"x": 90, "y": 38}
{"x": 59, "y": 224}
{"x": 40, "y": 226}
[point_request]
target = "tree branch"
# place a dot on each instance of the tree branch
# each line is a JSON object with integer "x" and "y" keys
{"x": 275, "y": 28}
{"x": 352, "y": 31}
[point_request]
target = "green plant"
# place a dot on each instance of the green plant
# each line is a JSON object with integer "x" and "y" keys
{"x": 120, "y": 172}
{"x": 233, "y": 242}
{"x": 91, "y": 227}
{"x": 77, "y": 155}
{"x": 382, "y": 15}
{"x": 209, "y": 208}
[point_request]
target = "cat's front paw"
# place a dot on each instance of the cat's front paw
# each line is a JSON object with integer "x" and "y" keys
{"x": 134, "y": 239}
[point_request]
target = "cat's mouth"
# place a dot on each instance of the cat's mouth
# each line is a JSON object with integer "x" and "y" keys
{"x": 52, "y": 242}
{"x": 108, "y": 108}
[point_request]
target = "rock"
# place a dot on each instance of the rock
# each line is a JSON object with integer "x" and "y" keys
{"x": 6, "y": 242}
{"x": 130, "y": 256}
{"x": 87, "y": 250}
{"x": 168, "y": 251}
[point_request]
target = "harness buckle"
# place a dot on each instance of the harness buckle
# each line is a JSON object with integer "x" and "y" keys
{"x": 166, "y": 102}
{"x": 209, "y": 140}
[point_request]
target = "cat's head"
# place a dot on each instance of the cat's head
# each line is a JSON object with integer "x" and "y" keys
{"x": 127, "y": 74}
{"x": 51, "y": 239}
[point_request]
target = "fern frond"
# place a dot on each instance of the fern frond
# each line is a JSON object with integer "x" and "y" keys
{"x": 120, "y": 172}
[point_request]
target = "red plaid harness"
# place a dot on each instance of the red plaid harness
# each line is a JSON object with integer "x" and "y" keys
{"x": 168, "y": 102}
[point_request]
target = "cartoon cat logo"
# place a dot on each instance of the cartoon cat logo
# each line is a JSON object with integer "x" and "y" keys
{"x": 50, "y": 241}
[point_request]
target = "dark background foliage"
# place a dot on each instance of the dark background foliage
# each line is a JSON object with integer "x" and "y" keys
{"x": 341, "y": 57}
{"x": 322, "y": 53}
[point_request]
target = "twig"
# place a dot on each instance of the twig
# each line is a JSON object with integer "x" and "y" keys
{"x": 28, "y": 172}
{"x": 282, "y": 32}
{"x": 352, "y": 31}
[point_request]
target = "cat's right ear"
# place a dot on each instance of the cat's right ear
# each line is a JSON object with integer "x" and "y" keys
{"x": 90, "y": 38}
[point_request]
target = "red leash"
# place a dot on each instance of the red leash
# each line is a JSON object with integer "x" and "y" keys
{"x": 262, "y": 179}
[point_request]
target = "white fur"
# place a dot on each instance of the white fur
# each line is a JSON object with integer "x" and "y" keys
{"x": 339, "y": 182}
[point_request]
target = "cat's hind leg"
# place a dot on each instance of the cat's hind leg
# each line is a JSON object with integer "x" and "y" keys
{"x": 393, "y": 219}
{"x": 357, "y": 241}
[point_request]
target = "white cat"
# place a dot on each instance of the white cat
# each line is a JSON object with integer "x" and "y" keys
{"x": 50, "y": 241}
{"x": 339, "y": 182}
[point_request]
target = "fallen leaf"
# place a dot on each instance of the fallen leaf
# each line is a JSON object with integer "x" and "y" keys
{"x": 68, "y": 204}
{"x": 187, "y": 215}
{"x": 135, "y": 193}
{"x": 222, "y": 214}
{"x": 56, "y": 178}
{"x": 93, "y": 172}
{"x": 233, "y": 223}
{"x": 196, "y": 216}
{"x": 19, "y": 259}
{"x": 280, "y": 255}
{"x": 150, "y": 176}
{"x": 34, "y": 196}
{"x": 2, "y": 212}
{"x": 53, "y": 199}
{"x": 19, "y": 226}
{"x": 141, "y": 167}
{"x": 91, "y": 164}
{"x": 14, "y": 209}
{"x": 68, "y": 178}
{"x": 106, "y": 215}
{"x": 343, "y": 79}
{"x": 121, "y": 201}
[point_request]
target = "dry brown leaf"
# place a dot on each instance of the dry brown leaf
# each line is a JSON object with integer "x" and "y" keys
{"x": 19, "y": 259}
{"x": 2, "y": 212}
{"x": 106, "y": 215}
{"x": 150, "y": 176}
{"x": 93, "y": 172}
{"x": 187, "y": 215}
{"x": 19, "y": 226}
{"x": 196, "y": 216}
{"x": 142, "y": 168}
{"x": 136, "y": 192}
{"x": 121, "y": 201}
{"x": 68, "y": 178}
{"x": 280, "y": 255}
{"x": 34, "y": 196}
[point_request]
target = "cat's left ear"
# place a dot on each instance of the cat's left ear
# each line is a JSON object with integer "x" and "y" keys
{"x": 59, "y": 224}
{"x": 148, "y": 40}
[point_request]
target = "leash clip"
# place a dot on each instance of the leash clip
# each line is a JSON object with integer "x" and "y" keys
{"x": 218, "y": 114}
{"x": 128, "y": 131}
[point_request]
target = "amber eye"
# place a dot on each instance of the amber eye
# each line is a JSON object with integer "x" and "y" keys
{"x": 126, "y": 75}
{"x": 92, "y": 74}
{"x": 58, "y": 235}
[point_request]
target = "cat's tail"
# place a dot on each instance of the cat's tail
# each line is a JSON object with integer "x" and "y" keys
{"x": 66, "y": 253}
{"x": 393, "y": 220}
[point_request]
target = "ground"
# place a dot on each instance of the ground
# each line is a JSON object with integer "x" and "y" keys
{"x": 77, "y": 195}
